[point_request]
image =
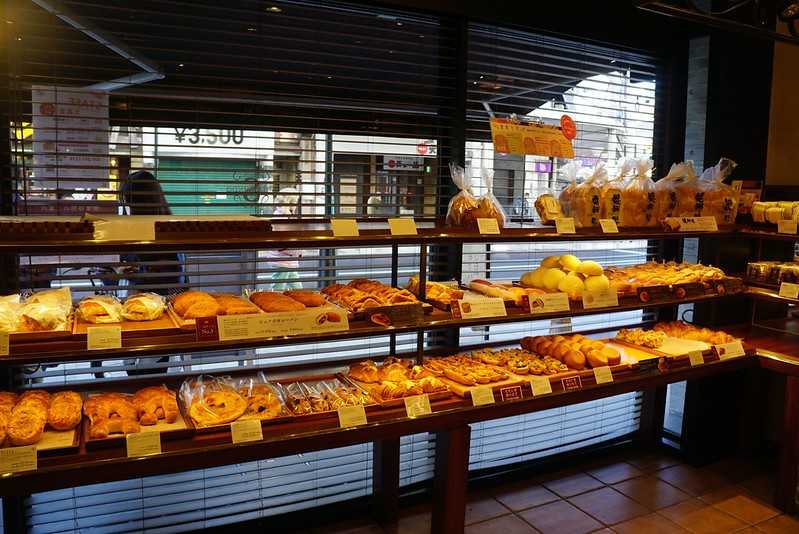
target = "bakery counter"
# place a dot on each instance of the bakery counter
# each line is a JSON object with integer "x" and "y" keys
{"x": 215, "y": 448}
{"x": 75, "y": 348}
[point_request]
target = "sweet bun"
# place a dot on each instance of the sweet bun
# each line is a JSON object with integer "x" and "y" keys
{"x": 575, "y": 359}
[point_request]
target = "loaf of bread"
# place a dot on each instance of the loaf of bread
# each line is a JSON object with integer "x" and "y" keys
{"x": 154, "y": 403}
{"x": 194, "y": 304}
{"x": 66, "y": 409}
{"x": 100, "y": 309}
{"x": 273, "y": 301}
{"x": 234, "y": 305}
{"x": 311, "y": 299}
{"x": 110, "y": 413}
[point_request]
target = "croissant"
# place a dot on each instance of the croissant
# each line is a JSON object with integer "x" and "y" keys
{"x": 66, "y": 408}
{"x": 365, "y": 371}
{"x": 154, "y": 403}
{"x": 110, "y": 413}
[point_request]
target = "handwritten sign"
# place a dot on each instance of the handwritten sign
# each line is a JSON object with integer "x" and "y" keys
{"x": 344, "y": 227}
{"x": 16, "y": 459}
{"x": 417, "y": 405}
{"x": 482, "y": 395}
{"x": 540, "y": 385}
{"x": 549, "y": 303}
{"x": 695, "y": 357}
{"x": 103, "y": 337}
{"x": 605, "y": 298}
{"x": 143, "y": 444}
{"x": 402, "y": 226}
{"x": 603, "y": 375}
{"x": 243, "y": 431}
{"x": 789, "y": 291}
{"x": 488, "y": 226}
{"x": 609, "y": 226}
{"x": 349, "y": 416}
{"x": 565, "y": 225}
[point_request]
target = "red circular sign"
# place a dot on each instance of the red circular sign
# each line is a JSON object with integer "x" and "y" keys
{"x": 392, "y": 163}
{"x": 422, "y": 149}
{"x": 568, "y": 127}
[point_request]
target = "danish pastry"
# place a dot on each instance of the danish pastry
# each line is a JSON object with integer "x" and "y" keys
{"x": 217, "y": 407}
{"x": 66, "y": 408}
{"x": 110, "y": 413}
{"x": 262, "y": 402}
{"x": 154, "y": 403}
{"x": 365, "y": 371}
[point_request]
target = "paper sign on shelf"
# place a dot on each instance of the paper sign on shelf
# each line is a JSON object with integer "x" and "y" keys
{"x": 789, "y": 290}
{"x": 143, "y": 444}
{"x": 732, "y": 349}
{"x": 479, "y": 308}
{"x": 786, "y": 226}
{"x": 482, "y": 395}
{"x": 16, "y": 459}
{"x": 540, "y": 385}
{"x": 103, "y": 337}
{"x": 349, "y": 416}
{"x": 565, "y": 225}
{"x": 344, "y": 227}
{"x": 417, "y": 405}
{"x": 243, "y": 431}
{"x": 511, "y": 137}
{"x": 603, "y": 375}
{"x": 488, "y": 226}
{"x": 403, "y": 226}
{"x": 549, "y": 303}
{"x": 5, "y": 348}
{"x": 605, "y": 298}
{"x": 257, "y": 325}
{"x": 693, "y": 224}
{"x": 609, "y": 226}
{"x": 127, "y": 228}
{"x": 696, "y": 358}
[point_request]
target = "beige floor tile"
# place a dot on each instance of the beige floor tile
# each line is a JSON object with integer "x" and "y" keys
{"x": 560, "y": 517}
{"x": 615, "y": 472}
{"x": 506, "y": 524}
{"x": 782, "y": 524}
{"x": 572, "y": 484}
{"x": 649, "y": 524}
{"x": 651, "y": 492}
{"x": 608, "y": 505}
{"x": 524, "y": 495}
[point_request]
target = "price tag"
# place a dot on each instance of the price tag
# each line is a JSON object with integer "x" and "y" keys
{"x": 482, "y": 395}
{"x": 344, "y": 227}
{"x": 571, "y": 383}
{"x": 609, "y": 226}
{"x": 540, "y": 385}
{"x": 103, "y": 337}
{"x": 786, "y": 226}
{"x": 693, "y": 224}
{"x": 307, "y": 321}
{"x": 5, "y": 348}
{"x": 549, "y": 303}
{"x": 480, "y": 307}
{"x": 789, "y": 291}
{"x": 124, "y": 228}
{"x": 565, "y": 225}
{"x": 349, "y": 416}
{"x": 696, "y": 358}
{"x": 417, "y": 405}
{"x": 732, "y": 349}
{"x": 605, "y": 298}
{"x": 488, "y": 226}
{"x": 603, "y": 375}
{"x": 16, "y": 459}
{"x": 402, "y": 226}
{"x": 510, "y": 393}
{"x": 242, "y": 431}
{"x": 143, "y": 444}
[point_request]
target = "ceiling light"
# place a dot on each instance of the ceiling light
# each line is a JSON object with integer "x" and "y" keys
{"x": 399, "y": 23}
{"x": 250, "y": 29}
{"x": 274, "y": 9}
{"x": 180, "y": 64}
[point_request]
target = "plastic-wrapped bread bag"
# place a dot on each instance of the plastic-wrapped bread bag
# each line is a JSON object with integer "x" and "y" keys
{"x": 639, "y": 197}
{"x": 676, "y": 193}
{"x": 571, "y": 171}
{"x": 212, "y": 401}
{"x": 465, "y": 208}
{"x": 719, "y": 199}
{"x": 612, "y": 192}
{"x": 587, "y": 197}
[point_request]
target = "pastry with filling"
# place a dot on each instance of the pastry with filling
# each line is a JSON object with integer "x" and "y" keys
{"x": 193, "y": 304}
{"x": 110, "y": 413}
{"x": 143, "y": 307}
{"x": 28, "y": 418}
{"x": 66, "y": 409}
{"x": 262, "y": 402}
{"x": 273, "y": 301}
{"x": 154, "y": 403}
{"x": 100, "y": 309}
{"x": 234, "y": 305}
{"x": 311, "y": 299}
{"x": 217, "y": 407}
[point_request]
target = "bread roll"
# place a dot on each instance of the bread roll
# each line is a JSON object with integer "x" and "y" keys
{"x": 234, "y": 305}
{"x": 311, "y": 299}
{"x": 595, "y": 358}
{"x": 271, "y": 301}
{"x": 194, "y": 304}
{"x": 574, "y": 359}
{"x": 66, "y": 410}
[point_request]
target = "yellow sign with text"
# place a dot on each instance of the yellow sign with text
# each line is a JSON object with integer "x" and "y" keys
{"x": 534, "y": 139}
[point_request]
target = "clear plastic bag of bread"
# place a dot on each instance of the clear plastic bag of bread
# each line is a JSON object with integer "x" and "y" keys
{"x": 264, "y": 400}
{"x": 639, "y": 198}
{"x": 571, "y": 172}
{"x": 612, "y": 191}
{"x": 719, "y": 199}
{"x": 676, "y": 193}
{"x": 46, "y": 310}
{"x": 9, "y": 312}
{"x": 587, "y": 196}
{"x": 211, "y": 401}
{"x": 465, "y": 208}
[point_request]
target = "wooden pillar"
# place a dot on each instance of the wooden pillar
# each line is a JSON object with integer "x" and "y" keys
{"x": 785, "y": 497}
{"x": 385, "y": 480}
{"x": 451, "y": 478}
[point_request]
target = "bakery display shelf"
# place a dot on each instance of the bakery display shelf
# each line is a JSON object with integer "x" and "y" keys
{"x": 302, "y": 436}
{"x": 325, "y": 238}
{"x": 169, "y": 431}
{"x": 769, "y": 233}
{"x": 768, "y": 292}
{"x": 164, "y": 325}
{"x": 75, "y": 350}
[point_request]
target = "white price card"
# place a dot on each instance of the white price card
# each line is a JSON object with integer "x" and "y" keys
{"x": 127, "y": 228}
{"x": 549, "y": 303}
{"x": 5, "y": 348}
{"x": 103, "y": 337}
{"x": 243, "y": 431}
{"x": 488, "y": 226}
{"x": 732, "y": 349}
{"x": 603, "y": 375}
{"x": 417, "y": 405}
{"x": 609, "y": 226}
{"x": 540, "y": 385}
{"x": 349, "y": 416}
{"x": 693, "y": 224}
{"x": 16, "y": 459}
{"x": 482, "y": 395}
{"x": 308, "y": 321}
{"x": 789, "y": 290}
{"x": 786, "y": 226}
{"x": 402, "y": 226}
{"x": 696, "y": 358}
{"x": 344, "y": 227}
{"x": 565, "y": 225}
{"x": 143, "y": 444}
{"x": 605, "y": 298}
{"x": 480, "y": 307}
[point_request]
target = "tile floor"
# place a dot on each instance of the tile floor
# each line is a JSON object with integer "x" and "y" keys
{"x": 641, "y": 493}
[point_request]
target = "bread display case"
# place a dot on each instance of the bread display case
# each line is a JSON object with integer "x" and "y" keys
{"x": 312, "y": 406}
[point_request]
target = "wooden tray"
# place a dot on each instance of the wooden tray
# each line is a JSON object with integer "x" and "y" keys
{"x": 55, "y": 442}
{"x": 43, "y": 335}
{"x": 176, "y": 430}
{"x": 164, "y": 325}
{"x": 390, "y": 403}
{"x": 672, "y": 348}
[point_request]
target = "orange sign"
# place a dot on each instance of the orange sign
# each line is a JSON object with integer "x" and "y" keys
{"x": 533, "y": 139}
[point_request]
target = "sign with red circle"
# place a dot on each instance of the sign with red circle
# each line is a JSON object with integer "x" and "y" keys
{"x": 422, "y": 149}
{"x": 568, "y": 127}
